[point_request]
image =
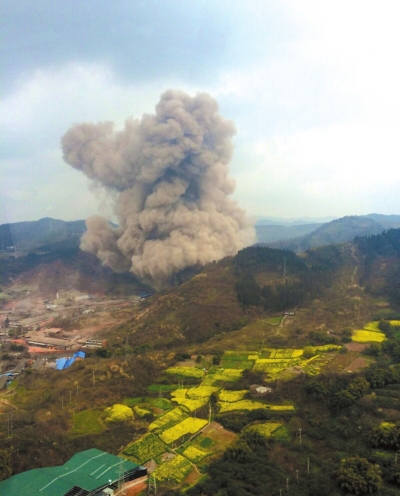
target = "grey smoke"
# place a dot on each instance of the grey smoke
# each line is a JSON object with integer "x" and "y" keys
{"x": 169, "y": 175}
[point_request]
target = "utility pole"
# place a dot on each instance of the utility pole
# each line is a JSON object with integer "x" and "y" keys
{"x": 94, "y": 380}
{"x": 300, "y": 434}
{"x": 287, "y": 485}
{"x": 308, "y": 467}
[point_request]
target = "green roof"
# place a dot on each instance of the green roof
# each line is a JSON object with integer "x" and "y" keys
{"x": 89, "y": 470}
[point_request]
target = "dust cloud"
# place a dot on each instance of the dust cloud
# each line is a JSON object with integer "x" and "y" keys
{"x": 168, "y": 174}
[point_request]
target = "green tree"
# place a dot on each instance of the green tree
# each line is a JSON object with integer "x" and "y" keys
{"x": 317, "y": 389}
{"x": 358, "y": 476}
{"x": 342, "y": 399}
{"x": 384, "y": 326}
{"x": 103, "y": 353}
{"x": 358, "y": 387}
{"x": 346, "y": 335}
{"x": 393, "y": 474}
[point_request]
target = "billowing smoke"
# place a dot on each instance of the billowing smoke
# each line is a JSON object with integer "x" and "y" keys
{"x": 168, "y": 173}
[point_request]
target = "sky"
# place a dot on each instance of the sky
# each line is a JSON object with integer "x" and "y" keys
{"x": 312, "y": 87}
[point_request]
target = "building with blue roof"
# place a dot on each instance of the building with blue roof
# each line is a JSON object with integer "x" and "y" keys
{"x": 64, "y": 363}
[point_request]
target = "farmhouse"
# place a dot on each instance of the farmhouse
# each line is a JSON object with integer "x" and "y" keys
{"x": 89, "y": 473}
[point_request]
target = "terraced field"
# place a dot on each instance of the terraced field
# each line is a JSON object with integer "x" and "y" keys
{"x": 180, "y": 439}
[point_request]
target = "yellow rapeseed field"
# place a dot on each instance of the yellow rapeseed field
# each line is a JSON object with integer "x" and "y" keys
{"x": 363, "y": 336}
{"x": 201, "y": 392}
{"x": 194, "y": 454}
{"x": 191, "y": 404}
{"x": 174, "y": 470}
{"x": 231, "y": 396}
{"x": 241, "y": 405}
{"x": 172, "y": 417}
{"x": 265, "y": 429}
{"x": 185, "y": 371}
{"x": 188, "y": 426}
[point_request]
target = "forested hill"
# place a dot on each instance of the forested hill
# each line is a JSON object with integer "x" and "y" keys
{"x": 29, "y": 236}
{"x": 280, "y": 280}
{"x": 381, "y": 264}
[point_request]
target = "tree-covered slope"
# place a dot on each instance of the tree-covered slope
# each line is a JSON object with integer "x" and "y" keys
{"x": 29, "y": 236}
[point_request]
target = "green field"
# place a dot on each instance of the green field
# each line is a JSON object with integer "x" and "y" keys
{"x": 88, "y": 422}
{"x": 274, "y": 321}
{"x": 163, "y": 388}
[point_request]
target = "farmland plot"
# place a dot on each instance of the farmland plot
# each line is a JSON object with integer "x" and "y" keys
{"x": 174, "y": 470}
{"x": 189, "y": 426}
{"x": 169, "y": 419}
{"x": 249, "y": 405}
{"x": 265, "y": 429}
{"x": 194, "y": 453}
{"x": 231, "y": 396}
{"x": 185, "y": 372}
{"x": 363, "y": 336}
{"x": 191, "y": 404}
{"x": 146, "y": 448}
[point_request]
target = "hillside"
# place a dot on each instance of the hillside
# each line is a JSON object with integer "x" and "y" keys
{"x": 63, "y": 267}
{"x": 30, "y": 236}
{"x": 187, "y": 363}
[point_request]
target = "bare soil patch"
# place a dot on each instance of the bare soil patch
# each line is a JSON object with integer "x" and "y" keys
{"x": 357, "y": 364}
{"x": 193, "y": 477}
{"x": 356, "y": 346}
{"x": 221, "y": 436}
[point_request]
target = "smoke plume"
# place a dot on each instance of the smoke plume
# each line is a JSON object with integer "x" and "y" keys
{"x": 168, "y": 173}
